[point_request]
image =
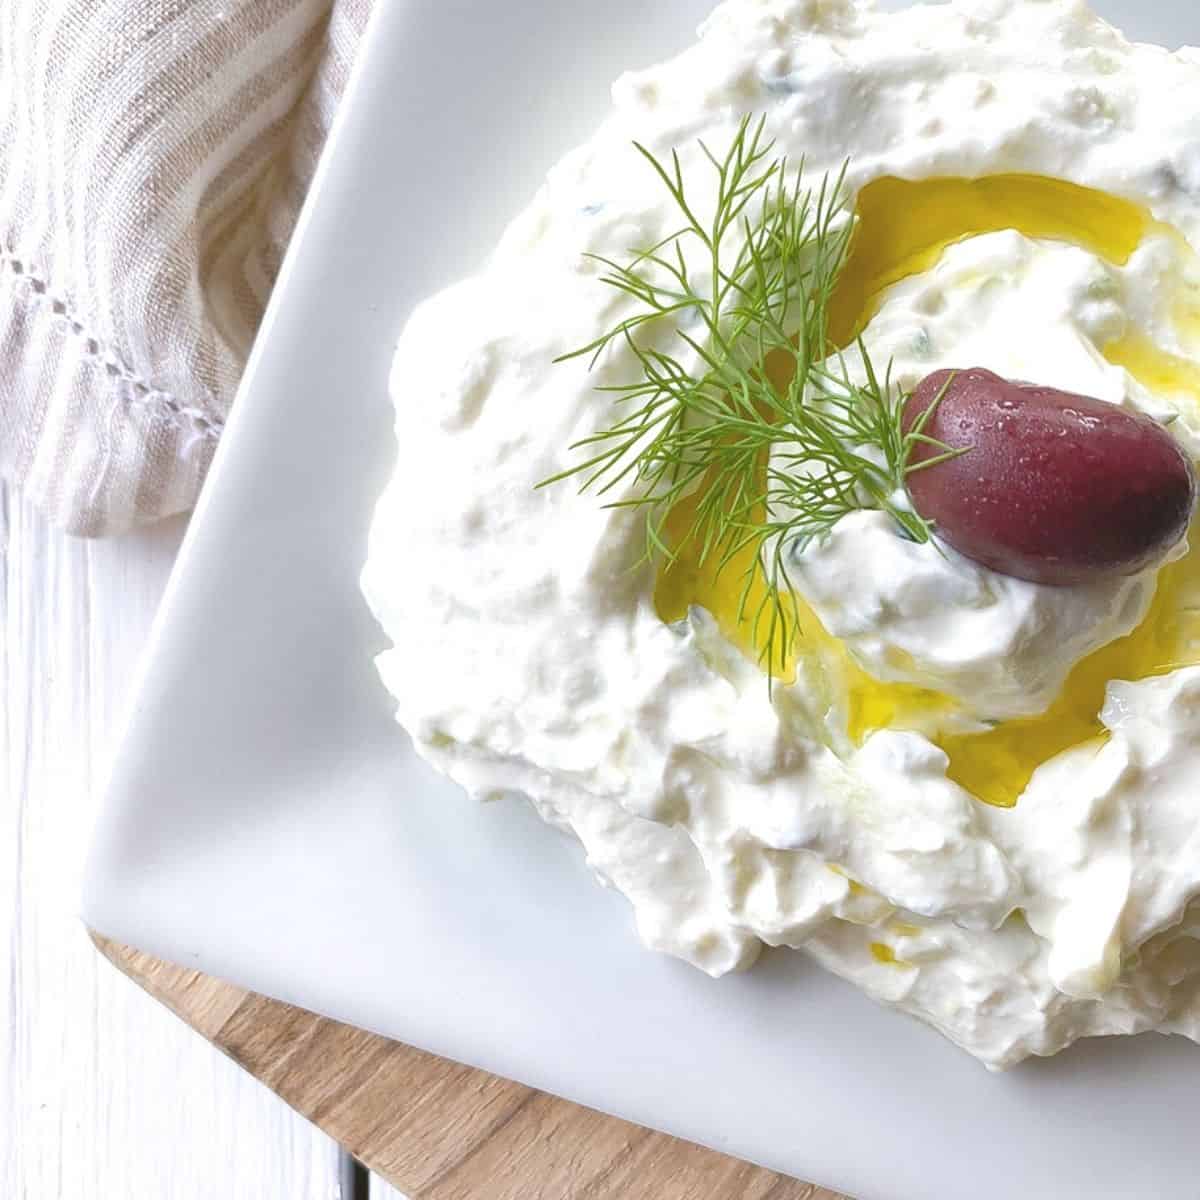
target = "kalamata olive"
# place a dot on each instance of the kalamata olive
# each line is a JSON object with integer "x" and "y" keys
{"x": 1052, "y": 487}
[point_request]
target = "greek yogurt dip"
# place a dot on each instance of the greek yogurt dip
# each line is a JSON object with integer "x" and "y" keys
{"x": 976, "y": 796}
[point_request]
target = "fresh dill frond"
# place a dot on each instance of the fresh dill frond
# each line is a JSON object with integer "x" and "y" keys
{"x": 750, "y": 407}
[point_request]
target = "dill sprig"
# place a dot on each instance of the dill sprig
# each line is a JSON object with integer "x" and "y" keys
{"x": 749, "y": 406}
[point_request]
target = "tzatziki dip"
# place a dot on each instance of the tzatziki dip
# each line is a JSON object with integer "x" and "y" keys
{"x": 795, "y": 510}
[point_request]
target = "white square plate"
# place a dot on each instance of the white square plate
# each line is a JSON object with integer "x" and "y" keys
{"x": 269, "y": 824}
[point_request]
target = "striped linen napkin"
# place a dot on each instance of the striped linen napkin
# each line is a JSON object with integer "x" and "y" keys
{"x": 154, "y": 155}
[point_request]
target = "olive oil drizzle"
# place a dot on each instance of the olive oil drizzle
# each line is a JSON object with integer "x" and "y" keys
{"x": 904, "y": 227}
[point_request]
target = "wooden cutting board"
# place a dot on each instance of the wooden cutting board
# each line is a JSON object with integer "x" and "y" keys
{"x": 437, "y": 1130}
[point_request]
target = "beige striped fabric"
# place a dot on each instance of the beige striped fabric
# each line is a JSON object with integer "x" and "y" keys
{"x": 154, "y": 155}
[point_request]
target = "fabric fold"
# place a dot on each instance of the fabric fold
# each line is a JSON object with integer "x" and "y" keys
{"x": 153, "y": 161}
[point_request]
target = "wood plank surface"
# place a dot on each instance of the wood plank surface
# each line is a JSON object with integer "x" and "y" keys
{"x": 440, "y": 1131}
{"x": 103, "y": 1094}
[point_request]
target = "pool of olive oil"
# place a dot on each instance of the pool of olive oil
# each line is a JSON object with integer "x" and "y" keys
{"x": 903, "y": 229}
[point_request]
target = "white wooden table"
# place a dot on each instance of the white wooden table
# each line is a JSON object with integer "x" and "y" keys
{"x": 103, "y": 1094}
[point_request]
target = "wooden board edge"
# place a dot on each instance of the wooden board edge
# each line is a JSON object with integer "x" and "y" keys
{"x": 437, "y": 1130}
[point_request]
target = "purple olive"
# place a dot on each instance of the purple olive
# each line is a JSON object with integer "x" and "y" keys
{"x": 1050, "y": 486}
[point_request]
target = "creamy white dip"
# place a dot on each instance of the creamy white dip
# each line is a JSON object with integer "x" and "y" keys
{"x": 528, "y": 655}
